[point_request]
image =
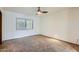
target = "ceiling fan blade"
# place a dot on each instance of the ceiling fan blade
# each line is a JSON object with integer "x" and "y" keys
{"x": 44, "y": 11}
{"x": 38, "y": 9}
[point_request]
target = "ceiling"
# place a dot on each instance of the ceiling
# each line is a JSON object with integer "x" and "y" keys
{"x": 32, "y": 10}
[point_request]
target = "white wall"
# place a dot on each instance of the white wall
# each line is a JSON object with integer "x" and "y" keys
{"x": 63, "y": 25}
{"x": 55, "y": 25}
{"x": 9, "y": 25}
{"x": 73, "y": 25}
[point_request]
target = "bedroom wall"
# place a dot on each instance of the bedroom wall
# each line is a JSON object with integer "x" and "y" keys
{"x": 73, "y": 25}
{"x": 9, "y": 25}
{"x": 63, "y": 25}
{"x": 55, "y": 25}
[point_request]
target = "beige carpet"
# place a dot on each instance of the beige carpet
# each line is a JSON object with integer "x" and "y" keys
{"x": 37, "y": 43}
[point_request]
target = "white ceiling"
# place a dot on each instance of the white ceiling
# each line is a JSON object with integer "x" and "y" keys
{"x": 32, "y": 10}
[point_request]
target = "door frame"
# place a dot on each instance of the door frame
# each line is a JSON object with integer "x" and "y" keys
{"x": 0, "y": 27}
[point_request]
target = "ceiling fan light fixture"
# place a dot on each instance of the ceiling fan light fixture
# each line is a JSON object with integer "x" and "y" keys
{"x": 39, "y": 13}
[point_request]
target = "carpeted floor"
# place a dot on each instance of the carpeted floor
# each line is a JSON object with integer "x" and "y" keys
{"x": 37, "y": 43}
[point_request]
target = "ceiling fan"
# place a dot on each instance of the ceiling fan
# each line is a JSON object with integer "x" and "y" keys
{"x": 39, "y": 11}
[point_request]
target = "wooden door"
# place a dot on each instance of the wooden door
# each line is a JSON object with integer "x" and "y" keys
{"x": 0, "y": 27}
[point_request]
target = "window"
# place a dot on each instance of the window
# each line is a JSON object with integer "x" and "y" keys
{"x": 24, "y": 24}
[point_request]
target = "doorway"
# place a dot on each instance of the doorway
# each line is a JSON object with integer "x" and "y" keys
{"x": 0, "y": 27}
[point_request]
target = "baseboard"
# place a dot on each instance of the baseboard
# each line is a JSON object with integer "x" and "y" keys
{"x": 19, "y": 37}
{"x": 46, "y": 36}
{"x": 59, "y": 39}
